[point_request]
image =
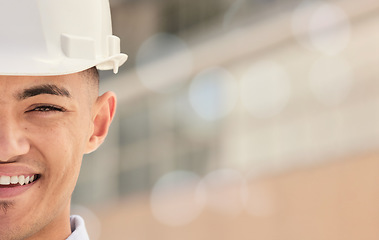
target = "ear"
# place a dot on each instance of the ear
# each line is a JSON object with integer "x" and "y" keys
{"x": 103, "y": 112}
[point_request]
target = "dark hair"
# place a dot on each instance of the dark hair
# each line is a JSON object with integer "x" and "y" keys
{"x": 92, "y": 74}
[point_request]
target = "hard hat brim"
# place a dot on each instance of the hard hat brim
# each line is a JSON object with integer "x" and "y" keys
{"x": 22, "y": 65}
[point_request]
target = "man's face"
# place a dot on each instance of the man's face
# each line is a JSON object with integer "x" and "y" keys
{"x": 46, "y": 124}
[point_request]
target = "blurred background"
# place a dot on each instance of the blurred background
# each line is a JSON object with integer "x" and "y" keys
{"x": 239, "y": 119}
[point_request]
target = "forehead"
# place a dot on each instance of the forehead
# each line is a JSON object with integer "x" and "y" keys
{"x": 11, "y": 84}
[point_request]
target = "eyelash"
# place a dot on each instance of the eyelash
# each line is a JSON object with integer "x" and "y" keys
{"x": 47, "y": 108}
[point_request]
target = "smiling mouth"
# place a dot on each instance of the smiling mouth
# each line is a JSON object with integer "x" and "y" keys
{"x": 14, "y": 181}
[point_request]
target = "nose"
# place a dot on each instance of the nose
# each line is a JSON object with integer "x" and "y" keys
{"x": 13, "y": 141}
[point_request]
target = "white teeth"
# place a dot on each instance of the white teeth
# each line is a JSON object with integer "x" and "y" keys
{"x": 21, "y": 180}
{"x": 6, "y": 180}
{"x": 14, "y": 179}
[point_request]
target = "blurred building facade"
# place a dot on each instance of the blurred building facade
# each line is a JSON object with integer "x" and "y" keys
{"x": 235, "y": 91}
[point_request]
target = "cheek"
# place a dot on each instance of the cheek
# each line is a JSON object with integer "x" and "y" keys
{"x": 59, "y": 133}
{"x": 60, "y": 145}
{"x": 60, "y": 150}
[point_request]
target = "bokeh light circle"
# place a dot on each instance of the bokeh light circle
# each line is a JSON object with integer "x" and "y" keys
{"x": 213, "y": 93}
{"x": 331, "y": 80}
{"x": 226, "y": 191}
{"x": 177, "y": 198}
{"x": 265, "y": 89}
{"x": 329, "y": 29}
{"x": 163, "y": 61}
{"x": 321, "y": 26}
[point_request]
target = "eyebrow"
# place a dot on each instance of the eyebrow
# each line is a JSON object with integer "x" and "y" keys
{"x": 44, "y": 89}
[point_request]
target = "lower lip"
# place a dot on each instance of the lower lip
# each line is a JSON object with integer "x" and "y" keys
{"x": 9, "y": 192}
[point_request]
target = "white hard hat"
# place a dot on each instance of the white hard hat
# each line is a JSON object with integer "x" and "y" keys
{"x": 56, "y": 37}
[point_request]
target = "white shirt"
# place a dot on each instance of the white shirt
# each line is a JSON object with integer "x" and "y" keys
{"x": 78, "y": 229}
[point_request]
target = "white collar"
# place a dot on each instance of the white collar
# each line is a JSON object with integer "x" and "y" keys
{"x": 78, "y": 229}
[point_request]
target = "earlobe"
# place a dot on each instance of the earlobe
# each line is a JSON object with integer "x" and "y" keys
{"x": 104, "y": 111}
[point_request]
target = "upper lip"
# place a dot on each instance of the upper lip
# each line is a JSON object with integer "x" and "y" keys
{"x": 16, "y": 170}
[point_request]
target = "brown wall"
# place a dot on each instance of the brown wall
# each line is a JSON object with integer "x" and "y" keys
{"x": 335, "y": 201}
